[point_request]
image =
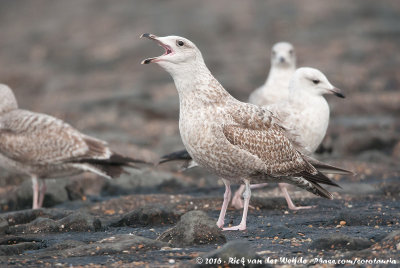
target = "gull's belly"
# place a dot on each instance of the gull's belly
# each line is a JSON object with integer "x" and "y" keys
{"x": 208, "y": 146}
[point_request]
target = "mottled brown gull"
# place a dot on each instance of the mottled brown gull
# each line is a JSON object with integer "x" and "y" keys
{"x": 239, "y": 142}
{"x": 42, "y": 147}
{"x": 300, "y": 107}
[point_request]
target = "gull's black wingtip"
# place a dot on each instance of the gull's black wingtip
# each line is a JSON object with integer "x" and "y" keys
{"x": 147, "y": 35}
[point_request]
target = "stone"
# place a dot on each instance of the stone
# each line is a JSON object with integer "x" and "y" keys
{"x": 17, "y": 245}
{"x": 148, "y": 216}
{"x": 232, "y": 253}
{"x": 125, "y": 243}
{"x": 340, "y": 242}
{"x": 194, "y": 228}
{"x": 3, "y": 225}
{"x": 80, "y": 222}
{"x": 364, "y": 218}
{"x": 280, "y": 231}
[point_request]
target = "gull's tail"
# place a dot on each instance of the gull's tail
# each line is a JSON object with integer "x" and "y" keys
{"x": 326, "y": 168}
{"x": 311, "y": 178}
{"x": 181, "y": 155}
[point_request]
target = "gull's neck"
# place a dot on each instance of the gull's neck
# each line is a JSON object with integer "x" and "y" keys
{"x": 280, "y": 73}
{"x": 196, "y": 84}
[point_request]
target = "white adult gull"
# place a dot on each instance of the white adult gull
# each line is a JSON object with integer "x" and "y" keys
{"x": 41, "y": 146}
{"x": 239, "y": 142}
{"x": 275, "y": 89}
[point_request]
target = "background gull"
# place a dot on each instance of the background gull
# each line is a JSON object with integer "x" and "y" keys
{"x": 42, "y": 146}
{"x": 275, "y": 88}
{"x": 237, "y": 141}
{"x": 305, "y": 114}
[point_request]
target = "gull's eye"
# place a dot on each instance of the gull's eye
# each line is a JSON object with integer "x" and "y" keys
{"x": 180, "y": 43}
{"x": 291, "y": 52}
{"x": 315, "y": 81}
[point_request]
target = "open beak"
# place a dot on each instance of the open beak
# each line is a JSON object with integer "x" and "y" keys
{"x": 337, "y": 92}
{"x": 168, "y": 49}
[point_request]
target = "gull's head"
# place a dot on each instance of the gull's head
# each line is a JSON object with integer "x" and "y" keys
{"x": 283, "y": 56}
{"x": 179, "y": 52}
{"x": 314, "y": 82}
{"x": 7, "y": 99}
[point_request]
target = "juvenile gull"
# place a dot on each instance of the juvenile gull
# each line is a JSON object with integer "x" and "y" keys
{"x": 304, "y": 111}
{"x": 239, "y": 142}
{"x": 274, "y": 90}
{"x": 42, "y": 146}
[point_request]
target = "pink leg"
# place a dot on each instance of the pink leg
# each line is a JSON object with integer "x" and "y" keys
{"x": 227, "y": 198}
{"x": 35, "y": 188}
{"x": 259, "y": 185}
{"x": 289, "y": 201}
{"x": 237, "y": 201}
{"x": 42, "y": 193}
{"x": 246, "y": 196}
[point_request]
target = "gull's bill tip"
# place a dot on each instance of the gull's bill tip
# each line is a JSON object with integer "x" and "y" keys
{"x": 147, "y": 61}
{"x": 338, "y": 93}
{"x": 148, "y": 35}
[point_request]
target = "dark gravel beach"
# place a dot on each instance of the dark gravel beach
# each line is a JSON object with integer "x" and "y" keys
{"x": 80, "y": 61}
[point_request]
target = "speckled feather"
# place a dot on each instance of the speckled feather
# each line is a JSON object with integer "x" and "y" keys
{"x": 236, "y": 140}
{"x": 46, "y": 147}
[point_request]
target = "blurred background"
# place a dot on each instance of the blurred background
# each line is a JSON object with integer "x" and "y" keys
{"x": 79, "y": 60}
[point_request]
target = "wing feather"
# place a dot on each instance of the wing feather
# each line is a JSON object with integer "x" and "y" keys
{"x": 272, "y": 147}
{"x": 34, "y": 138}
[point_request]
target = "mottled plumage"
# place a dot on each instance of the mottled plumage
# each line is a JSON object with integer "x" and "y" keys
{"x": 220, "y": 133}
{"x": 42, "y": 146}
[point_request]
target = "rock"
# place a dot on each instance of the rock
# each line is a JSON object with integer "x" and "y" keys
{"x": 39, "y": 225}
{"x": 363, "y": 218}
{"x": 148, "y": 215}
{"x": 65, "y": 244}
{"x": 340, "y": 242}
{"x": 3, "y": 225}
{"x": 280, "y": 231}
{"x": 194, "y": 228}
{"x": 117, "y": 244}
{"x": 39, "y": 222}
{"x": 26, "y": 216}
{"x": 390, "y": 242}
{"x": 17, "y": 245}
{"x": 234, "y": 251}
{"x": 80, "y": 222}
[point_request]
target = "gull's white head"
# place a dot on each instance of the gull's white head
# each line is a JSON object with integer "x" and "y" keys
{"x": 7, "y": 99}
{"x": 312, "y": 81}
{"x": 283, "y": 56}
{"x": 180, "y": 53}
